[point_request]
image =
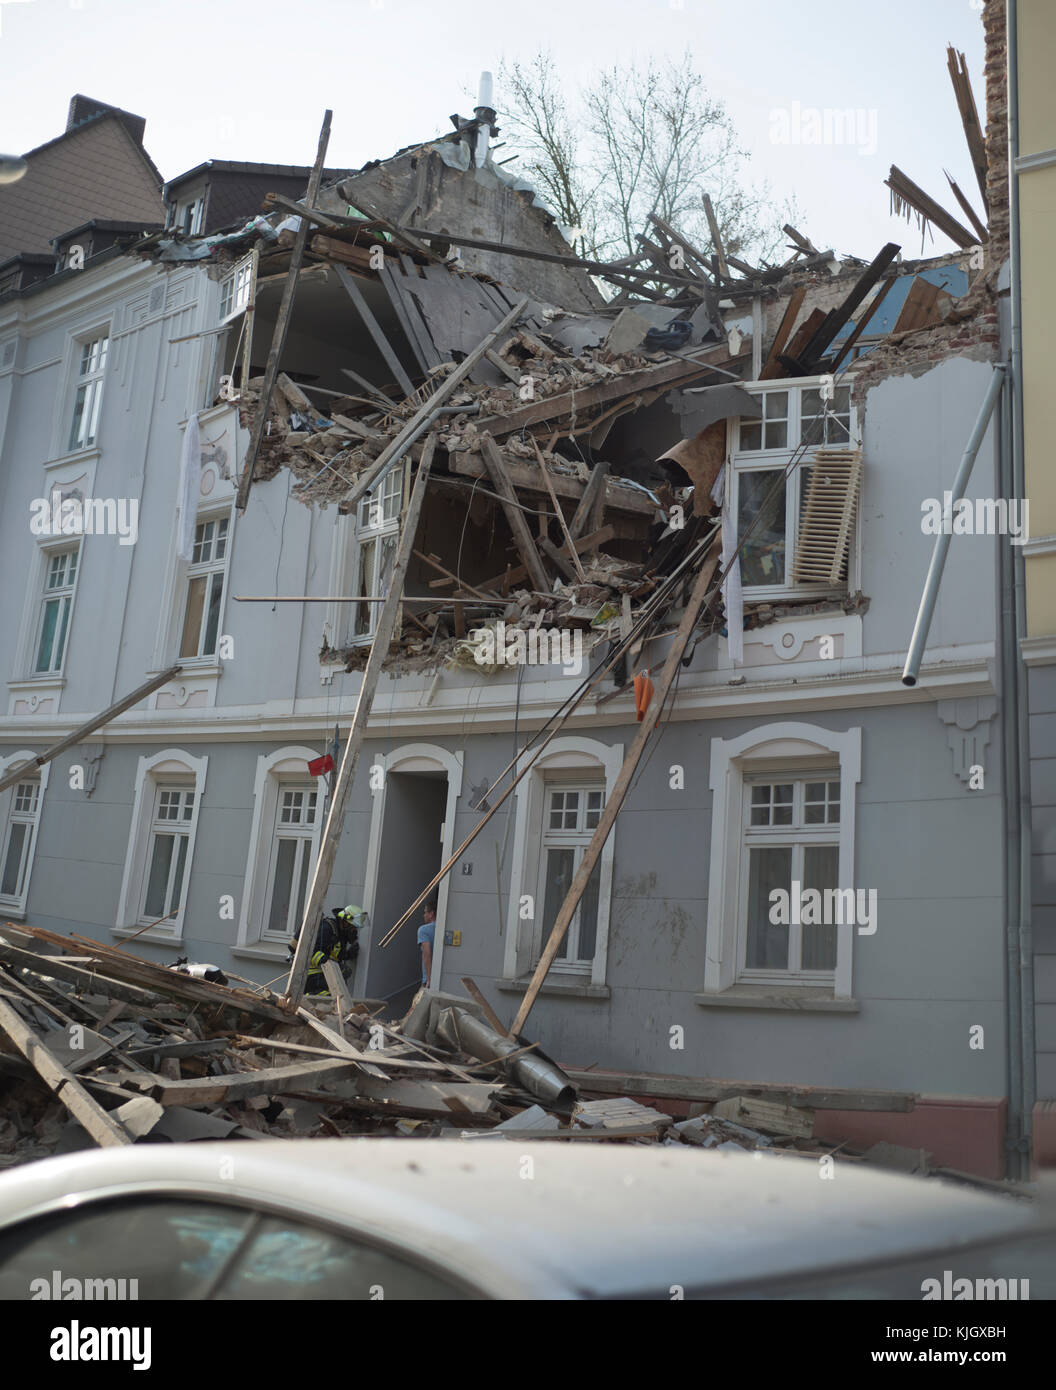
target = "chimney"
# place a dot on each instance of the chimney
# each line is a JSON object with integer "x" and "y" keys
{"x": 484, "y": 112}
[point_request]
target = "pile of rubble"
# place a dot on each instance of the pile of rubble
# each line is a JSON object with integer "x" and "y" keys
{"x": 98, "y": 1046}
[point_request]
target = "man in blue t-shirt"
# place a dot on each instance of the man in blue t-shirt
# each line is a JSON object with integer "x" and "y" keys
{"x": 426, "y": 937}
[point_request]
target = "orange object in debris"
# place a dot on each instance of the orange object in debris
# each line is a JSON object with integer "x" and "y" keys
{"x": 643, "y": 694}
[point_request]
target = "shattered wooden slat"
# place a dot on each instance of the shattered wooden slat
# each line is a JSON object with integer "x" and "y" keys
{"x": 966, "y": 207}
{"x": 495, "y": 464}
{"x": 105, "y": 1131}
{"x": 429, "y": 1099}
{"x": 716, "y": 238}
{"x": 864, "y": 319}
{"x": 585, "y": 543}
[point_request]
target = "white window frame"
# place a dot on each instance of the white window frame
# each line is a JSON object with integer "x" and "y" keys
{"x": 240, "y": 280}
{"x": 174, "y": 810}
{"x": 65, "y": 593}
{"x": 377, "y": 518}
{"x": 577, "y": 839}
{"x": 282, "y": 768}
{"x": 763, "y": 460}
{"x": 205, "y": 569}
{"x": 574, "y": 761}
{"x": 194, "y": 206}
{"x": 795, "y": 750}
{"x": 92, "y": 383}
{"x": 796, "y": 836}
{"x": 171, "y": 767}
{"x": 15, "y": 904}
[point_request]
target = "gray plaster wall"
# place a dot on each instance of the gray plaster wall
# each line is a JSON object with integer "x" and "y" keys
{"x": 931, "y": 848}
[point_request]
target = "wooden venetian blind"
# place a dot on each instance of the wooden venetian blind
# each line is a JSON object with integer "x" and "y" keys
{"x": 826, "y": 522}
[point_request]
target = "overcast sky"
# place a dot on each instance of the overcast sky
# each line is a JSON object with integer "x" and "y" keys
{"x": 225, "y": 80}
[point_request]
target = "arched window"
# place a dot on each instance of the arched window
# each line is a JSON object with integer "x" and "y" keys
{"x": 783, "y": 824}
{"x": 168, "y": 795}
{"x": 20, "y": 808}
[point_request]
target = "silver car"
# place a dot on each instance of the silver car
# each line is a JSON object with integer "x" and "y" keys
{"x": 435, "y": 1219}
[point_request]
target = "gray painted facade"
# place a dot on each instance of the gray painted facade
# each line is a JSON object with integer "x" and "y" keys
{"x": 929, "y": 844}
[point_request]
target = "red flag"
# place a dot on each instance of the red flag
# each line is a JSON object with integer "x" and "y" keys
{"x": 320, "y": 765}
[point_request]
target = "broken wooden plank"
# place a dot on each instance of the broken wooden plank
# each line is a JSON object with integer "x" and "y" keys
{"x": 525, "y": 475}
{"x": 973, "y": 131}
{"x": 518, "y": 574}
{"x": 273, "y": 1081}
{"x": 811, "y": 353}
{"x": 864, "y": 318}
{"x": 495, "y": 464}
{"x": 86, "y": 980}
{"x": 772, "y": 366}
{"x": 769, "y": 1116}
{"x": 716, "y": 238}
{"x": 597, "y": 484}
{"x": 476, "y": 993}
{"x": 908, "y": 194}
{"x": 103, "y": 1129}
{"x": 978, "y": 226}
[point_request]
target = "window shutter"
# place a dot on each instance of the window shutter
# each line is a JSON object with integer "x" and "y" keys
{"x": 827, "y": 520}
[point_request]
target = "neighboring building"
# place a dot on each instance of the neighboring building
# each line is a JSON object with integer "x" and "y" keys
{"x": 221, "y": 192}
{"x": 807, "y": 763}
{"x": 96, "y": 168}
{"x": 1034, "y": 187}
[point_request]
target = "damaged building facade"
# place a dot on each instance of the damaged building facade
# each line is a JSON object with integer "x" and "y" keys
{"x": 790, "y": 425}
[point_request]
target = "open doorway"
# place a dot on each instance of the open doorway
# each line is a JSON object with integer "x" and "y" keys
{"x": 411, "y": 846}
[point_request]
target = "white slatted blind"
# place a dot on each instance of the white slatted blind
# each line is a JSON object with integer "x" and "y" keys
{"x": 826, "y": 521}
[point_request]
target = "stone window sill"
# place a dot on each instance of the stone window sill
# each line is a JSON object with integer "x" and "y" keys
{"x": 808, "y": 999}
{"x": 273, "y": 953}
{"x": 155, "y": 938}
{"x": 569, "y": 988}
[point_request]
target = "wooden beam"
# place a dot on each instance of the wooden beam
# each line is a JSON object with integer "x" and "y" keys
{"x": 87, "y": 1112}
{"x": 375, "y": 329}
{"x": 979, "y": 227}
{"x": 596, "y": 484}
{"x": 282, "y": 323}
{"x": 84, "y": 979}
{"x": 906, "y": 191}
{"x": 379, "y": 650}
{"x": 321, "y": 219}
{"x": 493, "y": 462}
{"x": 772, "y": 366}
{"x": 866, "y": 316}
{"x": 474, "y": 991}
{"x": 469, "y": 589}
{"x": 525, "y": 476}
{"x": 973, "y": 131}
{"x": 716, "y": 238}
{"x": 811, "y": 354}
{"x": 446, "y": 388}
{"x": 270, "y": 1081}
{"x": 89, "y": 726}
{"x": 569, "y": 542}
{"x": 620, "y": 788}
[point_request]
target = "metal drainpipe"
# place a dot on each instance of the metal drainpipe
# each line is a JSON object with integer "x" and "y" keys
{"x": 1025, "y": 924}
{"x": 942, "y": 541}
{"x": 1010, "y": 791}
